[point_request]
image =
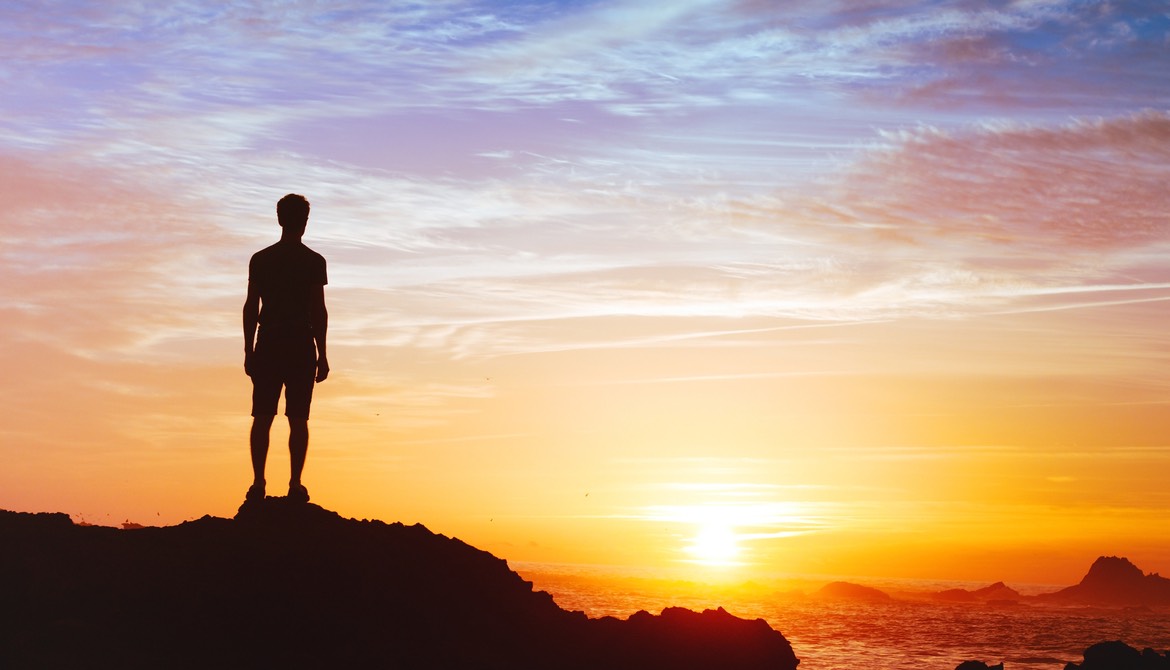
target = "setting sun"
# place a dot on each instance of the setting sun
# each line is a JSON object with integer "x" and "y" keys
{"x": 714, "y": 545}
{"x": 734, "y": 525}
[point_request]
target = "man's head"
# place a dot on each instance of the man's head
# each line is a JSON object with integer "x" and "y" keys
{"x": 292, "y": 211}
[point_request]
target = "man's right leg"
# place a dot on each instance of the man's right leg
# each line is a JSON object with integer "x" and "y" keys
{"x": 265, "y": 395}
{"x": 258, "y": 438}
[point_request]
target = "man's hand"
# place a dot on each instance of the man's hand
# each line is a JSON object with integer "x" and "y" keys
{"x": 248, "y": 363}
{"x": 322, "y": 369}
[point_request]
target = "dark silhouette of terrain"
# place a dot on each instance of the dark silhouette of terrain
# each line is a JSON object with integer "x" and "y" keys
{"x": 1101, "y": 656}
{"x": 996, "y": 593}
{"x": 848, "y": 591}
{"x": 293, "y": 585}
{"x": 1110, "y": 582}
{"x": 978, "y": 665}
{"x": 1114, "y": 582}
{"x": 1120, "y": 656}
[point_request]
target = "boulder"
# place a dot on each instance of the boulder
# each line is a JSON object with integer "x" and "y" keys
{"x": 1116, "y": 655}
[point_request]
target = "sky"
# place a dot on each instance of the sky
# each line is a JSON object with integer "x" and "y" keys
{"x": 725, "y": 286}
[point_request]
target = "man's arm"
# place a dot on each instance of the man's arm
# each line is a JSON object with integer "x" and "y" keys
{"x": 251, "y": 320}
{"x": 319, "y": 319}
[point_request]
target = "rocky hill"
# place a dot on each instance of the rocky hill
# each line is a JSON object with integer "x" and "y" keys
{"x": 297, "y": 586}
{"x": 997, "y": 592}
{"x": 1111, "y": 581}
{"x": 1114, "y": 582}
{"x": 849, "y": 591}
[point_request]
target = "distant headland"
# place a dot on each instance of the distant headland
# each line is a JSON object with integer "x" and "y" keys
{"x": 1111, "y": 581}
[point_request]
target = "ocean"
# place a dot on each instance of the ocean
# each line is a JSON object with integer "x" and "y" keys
{"x": 910, "y": 631}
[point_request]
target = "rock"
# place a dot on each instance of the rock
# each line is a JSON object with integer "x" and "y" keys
{"x": 681, "y": 638}
{"x": 297, "y": 586}
{"x": 1116, "y": 655}
{"x": 955, "y": 596}
{"x": 1114, "y": 582}
{"x": 978, "y": 665}
{"x": 996, "y": 593}
{"x": 848, "y": 591}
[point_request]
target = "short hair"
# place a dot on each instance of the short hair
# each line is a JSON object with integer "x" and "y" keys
{"x": 292, "y": 209}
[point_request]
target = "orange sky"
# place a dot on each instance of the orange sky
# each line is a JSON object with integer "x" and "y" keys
{"x": 801, "y": 290}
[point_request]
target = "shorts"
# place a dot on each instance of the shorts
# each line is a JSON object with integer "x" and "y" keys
{"x": 291, "y": 366}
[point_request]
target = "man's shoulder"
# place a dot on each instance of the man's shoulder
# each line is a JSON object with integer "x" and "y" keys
{"x": 298, "y": 252}
{"x": 319, "y": 271}
{"x": 313, "y": 254}
{"x": 266, "y": 252}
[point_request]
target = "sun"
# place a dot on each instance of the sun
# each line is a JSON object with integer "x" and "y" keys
{"x": 714, "y": 544}
{"x": 728, "y": 534}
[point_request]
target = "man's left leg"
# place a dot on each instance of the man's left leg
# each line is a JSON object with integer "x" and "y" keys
{"x": 258, "y": 441}
{"x": 265, "y": 394}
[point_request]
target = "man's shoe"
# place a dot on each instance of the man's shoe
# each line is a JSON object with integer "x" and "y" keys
{"x": 255, "y": 493}
{"x": 298, "y": 493}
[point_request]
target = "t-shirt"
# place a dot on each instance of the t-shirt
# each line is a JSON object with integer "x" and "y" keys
{"x": 287, "y": 276}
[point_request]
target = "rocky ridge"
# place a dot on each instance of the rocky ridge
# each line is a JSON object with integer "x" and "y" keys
{"x": 1114, "y": 581}
{"x": 297, "y": 586}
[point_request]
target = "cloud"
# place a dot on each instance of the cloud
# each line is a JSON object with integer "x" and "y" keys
{"x": 170, "y": 162}
{"x": 945, "y": 222}
{"x": 91, "y": 259}
{"x": 190, "y": 70}
{"x": 994, "y": 217}
{"x": 1088, "y": 185}
{"x": 926, "y": 222}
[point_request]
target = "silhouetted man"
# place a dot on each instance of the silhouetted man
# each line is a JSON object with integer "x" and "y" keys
{"x": 286, "y": 298}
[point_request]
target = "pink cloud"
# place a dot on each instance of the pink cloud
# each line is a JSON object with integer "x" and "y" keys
{"x": 97, "y": 259}
{"x": 1088, "y": 185}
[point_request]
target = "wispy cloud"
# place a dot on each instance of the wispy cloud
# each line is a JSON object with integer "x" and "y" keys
{"x": 88, "y": 67}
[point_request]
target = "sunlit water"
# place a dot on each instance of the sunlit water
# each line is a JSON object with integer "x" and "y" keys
{"x": 908, "y": 632}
